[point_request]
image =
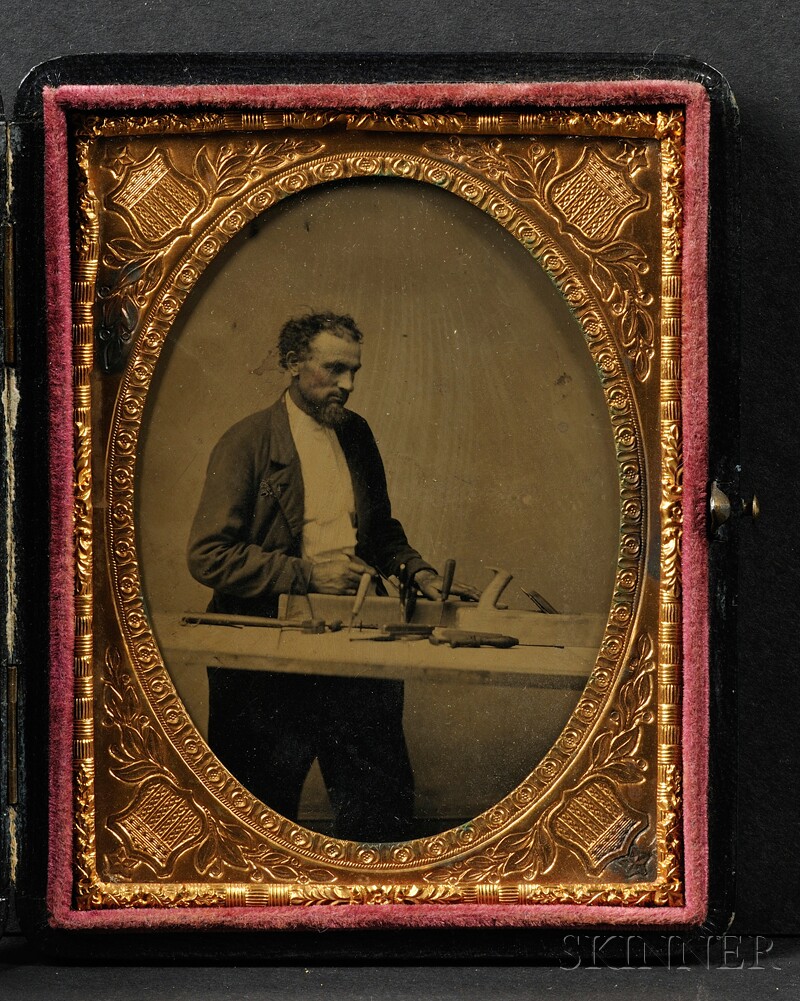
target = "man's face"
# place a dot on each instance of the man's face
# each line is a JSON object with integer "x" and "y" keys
{"x": 323, "y": 381}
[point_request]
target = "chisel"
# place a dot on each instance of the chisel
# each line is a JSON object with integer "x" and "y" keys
{"x": 447, "y": 579}
{"x": 394, "y": 631}
{"x": 361, "y": 593}
{"x": 447, "y": 583}
{"x": 408, "y": 594}
{"x": 471, "y": 638}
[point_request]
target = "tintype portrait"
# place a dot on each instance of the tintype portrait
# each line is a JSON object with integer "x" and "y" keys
{"x": 384, "y": 380}
{"x": 379, "y": 507}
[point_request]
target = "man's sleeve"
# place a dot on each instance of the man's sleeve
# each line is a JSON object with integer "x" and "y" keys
{"x": 221, "y": 554}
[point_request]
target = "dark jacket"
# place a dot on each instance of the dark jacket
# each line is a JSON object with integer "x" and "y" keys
{"x": 246, "y": 538}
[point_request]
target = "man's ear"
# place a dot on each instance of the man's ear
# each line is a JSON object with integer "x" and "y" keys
{"x": 292, "y": 363}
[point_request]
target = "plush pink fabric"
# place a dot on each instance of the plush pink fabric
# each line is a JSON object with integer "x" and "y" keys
{"x": 57, "y": 102}
{"x": 695, "y": 484}
{"x": 59, "y": 372}
{"x": 390, "y": 95}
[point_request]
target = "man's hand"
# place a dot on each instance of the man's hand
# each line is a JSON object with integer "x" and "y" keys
{"x": 431, "y": 586}
{"x": 339, "y": 576}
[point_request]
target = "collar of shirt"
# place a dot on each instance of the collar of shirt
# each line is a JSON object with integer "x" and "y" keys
{"x": 302, "y": 423}
{"x": 328, "y": 508}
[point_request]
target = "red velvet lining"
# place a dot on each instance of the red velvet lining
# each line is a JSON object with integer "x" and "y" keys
{"x": 62, "y": 639}
{"x": 57, "y": 102}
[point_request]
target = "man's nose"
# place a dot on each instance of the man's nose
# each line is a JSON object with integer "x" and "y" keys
{"x": 345, "y": 382}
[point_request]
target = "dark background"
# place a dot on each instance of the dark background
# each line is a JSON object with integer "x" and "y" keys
{"x": 755, "y": 47}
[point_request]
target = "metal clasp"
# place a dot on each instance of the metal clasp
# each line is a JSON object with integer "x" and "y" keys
{"x": 721, "y": 509}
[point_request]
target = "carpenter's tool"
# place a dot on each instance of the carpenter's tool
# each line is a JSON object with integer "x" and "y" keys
{"x": 490, "y": 595}
{"x": 401, "y": 630}
{"x": 395, "y": 631}
{"x": 447, "y": 583}
{"x": 541, "y": 603}
{"x": 389, "y": 586}
{"x": 471, "y": 638}
{"x": 239, "y": 621}
{"x": 408, "y": 593}
{"x": 310, "y": 606}
{"x": 373, "y": 636}
{"x": 447, "y": 578}
{"x": 361, "y": 593}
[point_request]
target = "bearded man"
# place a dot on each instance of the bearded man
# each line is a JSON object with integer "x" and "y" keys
{"x": 295, "y": 501}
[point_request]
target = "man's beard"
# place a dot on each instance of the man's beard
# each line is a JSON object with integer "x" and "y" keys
{"x": 332, "y": 413}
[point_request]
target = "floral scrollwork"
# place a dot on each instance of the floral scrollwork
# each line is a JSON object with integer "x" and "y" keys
{"x": 670, "y": 823}
{"x": 229, "y": 850}
{"x": 218, "y": 849}
{"x": 616, "y": 267}
{"x": 226, "y": 170}
{"x": 136, "y": 265}
{"x": 521, "y": 176}
{"x": 527, "y": 855}
{"x": 617, "y": 271}
{"x": 374, "y": 893}
{"x": 137, "y": 273}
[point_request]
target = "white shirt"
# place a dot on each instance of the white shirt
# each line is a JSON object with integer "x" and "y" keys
{"x": 329, "y": 509}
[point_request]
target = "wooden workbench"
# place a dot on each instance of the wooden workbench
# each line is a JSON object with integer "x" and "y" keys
{"x": 336, "y": 653}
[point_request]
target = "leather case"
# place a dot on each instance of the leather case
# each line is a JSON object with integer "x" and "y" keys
{"x": 552, "y": 239}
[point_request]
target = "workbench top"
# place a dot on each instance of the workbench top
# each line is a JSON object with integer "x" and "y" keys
{"x": 344, "y": 653}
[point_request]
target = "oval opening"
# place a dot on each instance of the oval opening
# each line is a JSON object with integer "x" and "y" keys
{"x": 490, "y": 418}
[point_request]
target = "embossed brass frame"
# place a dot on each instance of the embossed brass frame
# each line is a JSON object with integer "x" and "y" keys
{"x": 138, "y": 757}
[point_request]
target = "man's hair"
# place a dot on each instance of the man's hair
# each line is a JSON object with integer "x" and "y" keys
{"x": 297, "y": 334}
